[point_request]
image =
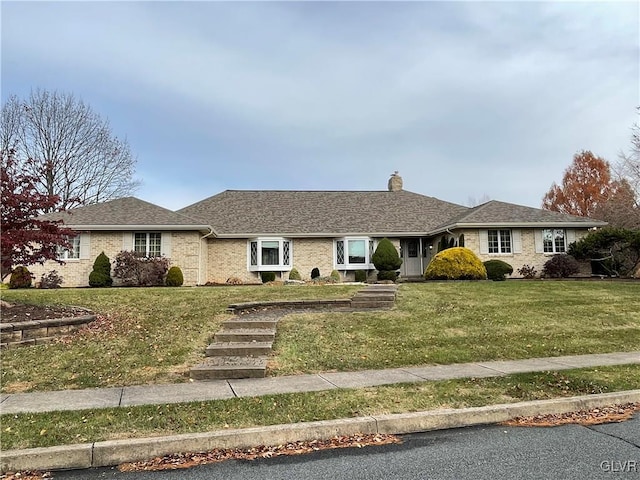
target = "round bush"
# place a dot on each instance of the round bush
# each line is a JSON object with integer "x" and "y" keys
{"x": 386, "y": 257}
{"x": 315, "y": 273}
{"x": 268, "y": 276}
{"x": 294, "y": 274}
{"x": 335, "y": 276}
{"x": 174, "y": 277}
{"x": 497, "y": 269}
{"x": 560, "y": 266}
{"x": 456, "y": 263}
{"x": 361, "y": 276}
{"x": 20, "y": 278}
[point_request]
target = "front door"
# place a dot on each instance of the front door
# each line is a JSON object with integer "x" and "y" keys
{"x": 411, "y": 257}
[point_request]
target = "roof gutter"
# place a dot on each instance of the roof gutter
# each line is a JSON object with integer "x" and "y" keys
{"x": 200, "y": 228}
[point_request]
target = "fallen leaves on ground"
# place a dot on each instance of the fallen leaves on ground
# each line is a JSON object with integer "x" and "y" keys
{"x": 595, "y": 416}
{"x": 25, "y": 476}
{"x": 188, "y": 460}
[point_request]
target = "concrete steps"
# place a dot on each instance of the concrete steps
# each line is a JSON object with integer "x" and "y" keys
{"x": 375, "y": 296}
{"x": 241, "y": 348}
{"x": 245, "y": 335}
{"x": 238, "y": 349}
{"x": 228, "y": 367}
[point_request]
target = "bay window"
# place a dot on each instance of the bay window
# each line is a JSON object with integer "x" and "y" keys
{"x": 353, "y": 253}
{"x": 269, "y": 254}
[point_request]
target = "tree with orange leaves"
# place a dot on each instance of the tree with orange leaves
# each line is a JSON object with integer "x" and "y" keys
{"x": 586, "y": 185}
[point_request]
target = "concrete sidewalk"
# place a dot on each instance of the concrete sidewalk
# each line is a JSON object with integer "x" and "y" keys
{"x": 223, "y": 389}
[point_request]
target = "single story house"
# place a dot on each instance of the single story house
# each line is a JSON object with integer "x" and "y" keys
{"x": 238, "y": 233}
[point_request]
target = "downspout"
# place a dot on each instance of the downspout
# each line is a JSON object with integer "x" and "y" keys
{"x": 200, "y": 254}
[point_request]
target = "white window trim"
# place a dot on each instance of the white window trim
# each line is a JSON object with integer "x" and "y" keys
{"x": 63, "y": 253}
{"x": 553, "y": 242}
{"x": 500, "y": 252}
{"x": 367, "y": 265}
{"x": 147, "y": 243}
{"x": 281, "y": 267}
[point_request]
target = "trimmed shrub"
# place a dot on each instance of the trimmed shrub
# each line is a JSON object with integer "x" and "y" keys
{"x": 174, "y": 277}
{"x": 335, "y": 276}
{"x": 268, "y": 276}
{"x": 51, "y": 280}
{"x": 456, "y": 263}
{"x": 315, "y": 273}
{"x": 388, "y": 275}
{"x": 294, "y": 274}
{"x": 99, "y": 279}
{"x": 386, "y": 260}
{"x": 100, "y": 276}
{"x": 21, "y": 277}
{"x": 497, "y": 269}
{"x": 361, "y": 276}
{"x": 135, "y": 270}
{"x": 560, "y": 266}
{"x": 528, "y": 272}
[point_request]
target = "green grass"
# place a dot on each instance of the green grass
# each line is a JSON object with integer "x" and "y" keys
{"x": 157, "y": 334}
{"x": 29, "y": 430}
{"x": 441, "y": 323}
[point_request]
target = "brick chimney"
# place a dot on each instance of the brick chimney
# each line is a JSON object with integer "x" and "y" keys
{"x": 395, "y": 182}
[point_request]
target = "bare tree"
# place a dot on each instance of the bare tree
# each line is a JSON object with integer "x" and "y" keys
{"x": 75, "y": 154}
{"x": 628, "y": 167}
{"x": 474, "y": 202}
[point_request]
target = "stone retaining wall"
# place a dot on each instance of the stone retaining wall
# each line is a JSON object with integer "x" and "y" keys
{"x": 36, "y": 332}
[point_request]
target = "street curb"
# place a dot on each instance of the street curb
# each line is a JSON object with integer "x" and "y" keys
{"x": 103, "y": 454}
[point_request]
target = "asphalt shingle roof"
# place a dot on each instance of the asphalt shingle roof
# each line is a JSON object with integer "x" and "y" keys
{"x": 122, "y": 212}
{"x": 243, "y": 213}
{"x": 495, "y": 212}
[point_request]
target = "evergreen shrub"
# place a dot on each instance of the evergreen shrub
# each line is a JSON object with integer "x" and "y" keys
{"x": 315, "y": 273}
{"x": 497, "y": 269}
{"x": 361, "y": 276}
{"x": 386, "y": 260}
{"x": 268, "y": 276}
{"x": 458, "y": 263}
{"x": 100, "y": 276}
{"x": 174, "y": 277}
{"x": 335, "y": 276}
{"x": 294, "y": 274}
{"x": 21, "y": 277}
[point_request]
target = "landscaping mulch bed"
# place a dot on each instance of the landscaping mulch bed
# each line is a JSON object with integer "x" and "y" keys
{"x": 12, "y": 313}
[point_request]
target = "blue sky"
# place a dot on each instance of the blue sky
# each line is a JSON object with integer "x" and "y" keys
{"x": 464, "y": 99}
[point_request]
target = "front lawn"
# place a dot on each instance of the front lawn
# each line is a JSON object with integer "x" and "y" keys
{"x": 155, "y": 334}
{"x": 455, "y": 322}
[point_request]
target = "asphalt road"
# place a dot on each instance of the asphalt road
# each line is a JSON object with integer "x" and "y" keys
{"x": 609, "y": 451}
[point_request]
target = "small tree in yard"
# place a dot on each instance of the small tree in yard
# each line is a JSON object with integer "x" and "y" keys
{"x": 101, "y": 274}
{"x": 386, "y": 260}
{"x": 25, "y": 238}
